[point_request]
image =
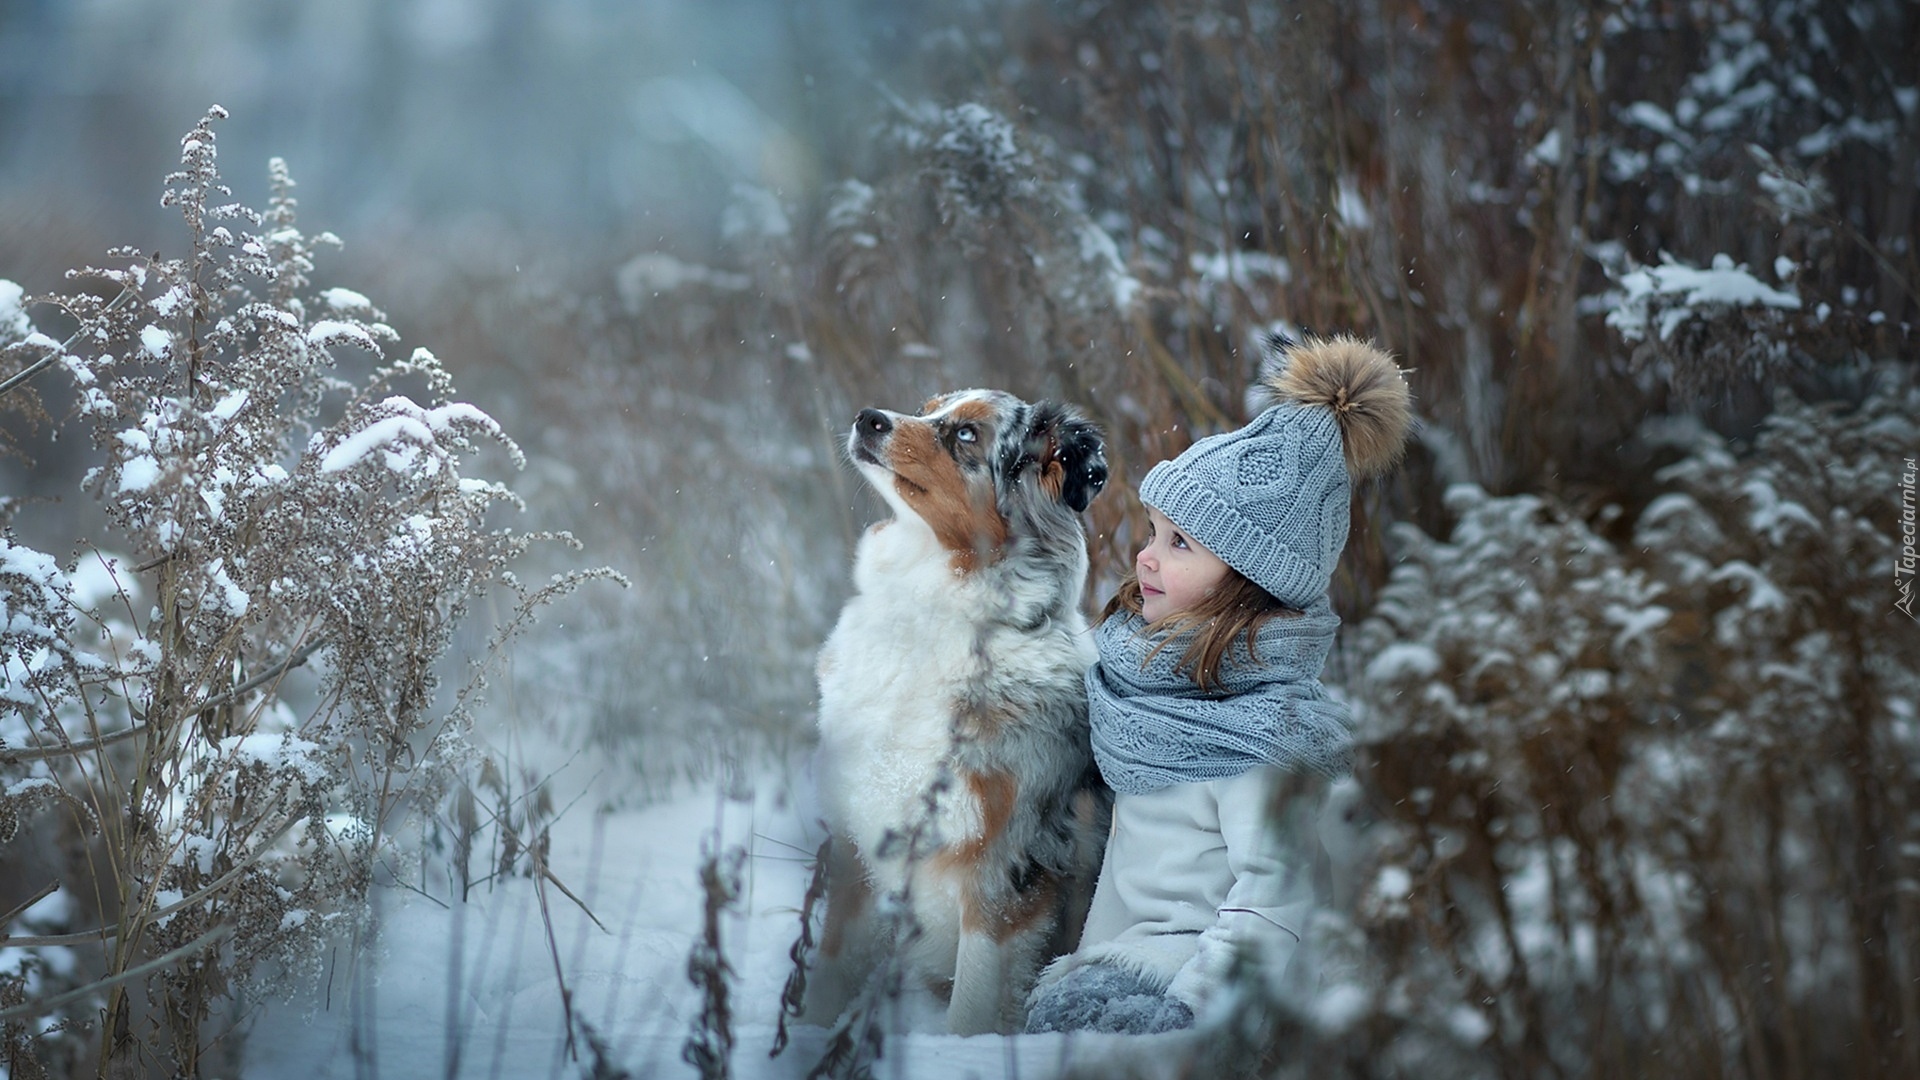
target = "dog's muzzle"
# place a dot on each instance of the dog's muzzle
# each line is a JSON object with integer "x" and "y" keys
{"x": 870, "y": 431}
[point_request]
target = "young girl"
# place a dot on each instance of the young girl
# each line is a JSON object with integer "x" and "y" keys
{"x": 1208, "y": 714}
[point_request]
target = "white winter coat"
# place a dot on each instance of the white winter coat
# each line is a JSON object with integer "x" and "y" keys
{"x": 1195, "y": 873}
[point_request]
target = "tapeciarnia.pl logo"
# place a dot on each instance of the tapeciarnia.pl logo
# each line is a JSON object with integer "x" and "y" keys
{"x": 1903, "y": 564}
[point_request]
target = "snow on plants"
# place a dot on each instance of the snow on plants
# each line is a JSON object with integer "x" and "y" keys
{"x": 1569, "y": 724}
{"x": 1662, "y": 297}
{"x": 284, "y": 498}
{"x": 982, "y": 169}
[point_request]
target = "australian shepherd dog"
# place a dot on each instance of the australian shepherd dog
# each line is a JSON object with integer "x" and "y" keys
{"x": 954, "y": 767}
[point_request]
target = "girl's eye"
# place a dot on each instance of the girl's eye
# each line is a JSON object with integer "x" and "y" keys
{"x": 1178, "y": 541}
{"x": 967, "y": 434}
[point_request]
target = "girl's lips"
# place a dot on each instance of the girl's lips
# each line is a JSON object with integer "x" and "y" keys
{"x": 1149, "y": 590}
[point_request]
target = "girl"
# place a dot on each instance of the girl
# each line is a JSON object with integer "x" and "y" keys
{"x": 1208, "y": 715}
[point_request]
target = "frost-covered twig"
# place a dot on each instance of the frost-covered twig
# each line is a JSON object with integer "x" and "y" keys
{"x": 108, "y": 933}
{"x": 218, "y": 701}
{"x": 55, "y": 352}
{"x": 12, "y": 756}
{"x": 162, "y": 962}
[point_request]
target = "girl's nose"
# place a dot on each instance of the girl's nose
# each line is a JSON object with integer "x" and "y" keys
{"x": 1144, "y": 557}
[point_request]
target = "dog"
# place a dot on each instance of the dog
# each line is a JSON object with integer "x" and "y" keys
{"x": 953, "y": 766}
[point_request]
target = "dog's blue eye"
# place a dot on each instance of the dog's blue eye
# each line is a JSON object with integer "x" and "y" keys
{"x": 967, "y": 434}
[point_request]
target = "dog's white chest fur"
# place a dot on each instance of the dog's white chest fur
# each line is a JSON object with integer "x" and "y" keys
{"x": 889, "y": 674}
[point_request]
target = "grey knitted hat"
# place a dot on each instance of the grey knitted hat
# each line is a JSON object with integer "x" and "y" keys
{"x": 1271, "y": 499}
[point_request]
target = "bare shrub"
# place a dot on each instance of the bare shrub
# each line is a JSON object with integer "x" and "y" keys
{"x": 273, "y": 513}
{"x": 1649, "y": 799}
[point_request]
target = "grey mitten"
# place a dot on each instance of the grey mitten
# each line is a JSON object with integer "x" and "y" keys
{"x": 1105, "y": 997}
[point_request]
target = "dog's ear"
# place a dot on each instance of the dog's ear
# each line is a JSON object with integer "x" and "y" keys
{"x": 1066, "y": 452}
{"x": 1083, "y": 453}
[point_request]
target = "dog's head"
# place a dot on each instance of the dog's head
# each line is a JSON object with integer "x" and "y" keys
{"x": 983, "y": 469}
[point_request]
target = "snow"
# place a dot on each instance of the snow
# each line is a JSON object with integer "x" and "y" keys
{"x": 1771, "y": 514}
{"x": 645, "y": 277}
{"x": 13, "y": 316}
{"x": 37, "y": 567}
{"x": 1340, "y": 1007}
{"x": 52, "y": 909}
{"x": 80, "y": 371}
{"x": 1762, "y": 593}
{"x": 379, "y": 434}
{"x": 1351, "y": 208}
{"x": 334, "y": 332}
{"x": 1468, "y": 1024}
{"x": 228, "y": 407}
{"x": 405, "y": 430}
{"x": 98, "y": 578}
{"x": 1240, "y": 267}
{"x": 754, "y": 214}
{"x": 1102, "y": 255}
{"x": 227, "y": 597}
{"x": 1548, "y": 151}
{"x": 1653, "y": 118}
{"x": 469, "y": 989}
{"x": 138, "y": 473}
{"x": 1824, "y": 140}
{"x": 94, "y": 403}
{"x": 1675, "y": 290}
{"x": 277, "y": 750}
{"x": 200, "y": 850}
{"x": 1636, "y": 624}
{"x": 169, "y": 302}
{"x": 347, "y": 302}
{"x": 157, "y": 342}
{"x": 21, "y": 787}
{"x": 1404, "y": 660}
{"x": 1394, "y": 882}
{"x": 975, "y": 130}
{"x": 1723, "y": 77}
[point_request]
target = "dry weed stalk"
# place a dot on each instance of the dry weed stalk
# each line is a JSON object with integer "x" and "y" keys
{"x": 709, "y": 1047}
{"x": 1650, "y": 798}
{"x": 275, "y": 513}
{"x": 793, "y": 994}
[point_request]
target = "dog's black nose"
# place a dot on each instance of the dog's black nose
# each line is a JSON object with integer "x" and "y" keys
{"x": 872, "y": 422}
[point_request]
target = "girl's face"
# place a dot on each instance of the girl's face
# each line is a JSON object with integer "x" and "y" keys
{"x": 1175, "y": 571}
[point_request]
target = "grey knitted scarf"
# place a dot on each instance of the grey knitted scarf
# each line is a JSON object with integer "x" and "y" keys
{"x": 1153, "y": 727}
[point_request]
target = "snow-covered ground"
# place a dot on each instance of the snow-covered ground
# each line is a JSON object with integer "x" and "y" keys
{"x": 470, "y": 990}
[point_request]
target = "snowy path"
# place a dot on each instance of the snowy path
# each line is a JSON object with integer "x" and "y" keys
{"x": 638, "y": 870}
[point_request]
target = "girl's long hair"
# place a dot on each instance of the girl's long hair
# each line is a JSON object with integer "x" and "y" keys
{"x": 1232, "y": 614}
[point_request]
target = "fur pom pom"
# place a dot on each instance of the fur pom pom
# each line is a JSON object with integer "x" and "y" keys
{"x": 1359, "y": 382}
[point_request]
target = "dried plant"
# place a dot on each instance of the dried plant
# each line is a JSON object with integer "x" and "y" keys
{"x": 1648, "y": 781}
{"x": 275, "y": 513}
{"x": 709, "y": 1047}
{"x": 793, "y": 995}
